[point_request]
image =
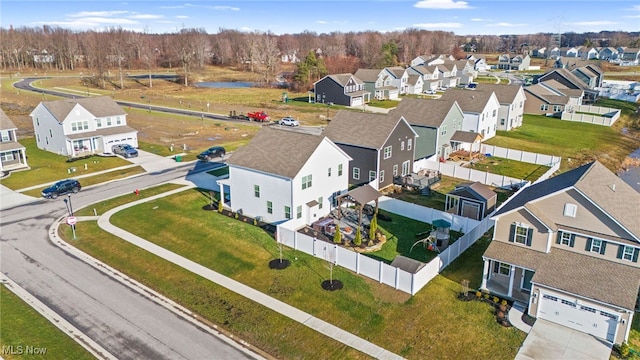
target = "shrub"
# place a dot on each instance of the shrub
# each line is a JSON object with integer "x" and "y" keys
{"x": 235, "y": 215}
{"x": 495, "y": 299}
{"x": 486, "y": 296}
{"x": 504, "y": 302}
{"x": 358, "y": 239}
{"x": 373, "y": 227}
{"x": 255, "y": 222}
{"x": 500, "y": 315}
{"x": 478, "y": 294}
{"x": 337, "y": 236}
{"x": 219, "y": 207}
{"x": 624, "y": 350}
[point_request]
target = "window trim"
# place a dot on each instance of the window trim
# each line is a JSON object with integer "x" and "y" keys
{"x": 269, "y": 207}
{"x": 388, "y": 151}
{"x": 307, "y": 181}
{"x": 339, "y": 169}
{"x": 256, "y": 191}
{"x": 356, "y": 173}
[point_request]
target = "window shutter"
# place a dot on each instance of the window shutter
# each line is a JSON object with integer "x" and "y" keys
{"x": 529, "y": 236}
{"x": 512, "y": 233}
{"x": 572, "y": 241}
{"x": 588, "y": 247}
{"x": 620, "y": 251}
{"x": 604, "y": 245}
{"x": 559, "y": 238}
{"x": 635, "y": 255}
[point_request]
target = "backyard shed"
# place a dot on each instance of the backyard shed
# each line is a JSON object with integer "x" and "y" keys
{"x": 473, "y": 200}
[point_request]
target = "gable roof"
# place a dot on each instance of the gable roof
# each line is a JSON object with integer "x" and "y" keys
{"x": 421, "y": 69}
{"x": 361, "y": 129}
{"x": 367, "y": 75}
{"x": 474, "y": 190}
{"x": 549, "y": 93}
{"x": 276, "y": 151}
{"x": 468, "y": 137}
{"x": 413, "y": 79}
{"x": 342, "y": 79}
{"x": 506, "y": 94}
{"x": 424, "y": 112}
{"x": 100, "y": 106}
{"x": 396, "y": 71}
{"x": 567, "y": 75}
{"x": 5, "y": 122}
{"x": 607, "y": 191}
{"x": 469, "y": 100}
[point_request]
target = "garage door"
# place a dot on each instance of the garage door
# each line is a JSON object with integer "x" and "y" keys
{"x": 356, "y": 101}
{"x": 470, "y": 210}
{"x": 587, "y": 319}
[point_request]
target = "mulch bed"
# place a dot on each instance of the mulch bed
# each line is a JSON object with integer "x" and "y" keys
{"x": 332, "y": 285}
{"x": 279, "y": 264}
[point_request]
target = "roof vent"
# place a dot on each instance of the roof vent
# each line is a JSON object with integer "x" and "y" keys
{"x": 613, "y": 187}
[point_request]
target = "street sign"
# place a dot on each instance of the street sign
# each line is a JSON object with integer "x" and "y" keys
{"x": 71, "y": 220}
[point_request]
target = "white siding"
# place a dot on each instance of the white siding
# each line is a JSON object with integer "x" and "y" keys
{"x": 49, "y": 133}
{"x": 272, "y": 188}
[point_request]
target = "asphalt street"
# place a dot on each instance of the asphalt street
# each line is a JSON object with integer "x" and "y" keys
{"x": 121, "y": 320}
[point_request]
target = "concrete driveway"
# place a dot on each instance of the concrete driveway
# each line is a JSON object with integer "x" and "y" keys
{"x": 551, "y": 341}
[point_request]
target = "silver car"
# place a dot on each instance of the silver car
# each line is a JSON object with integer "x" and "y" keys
{"x": 289, "y": 121}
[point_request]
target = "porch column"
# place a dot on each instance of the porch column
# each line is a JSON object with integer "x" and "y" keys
{"x": 23, "y": 157}
{"x": 485, "y": 274}
{"x": 511, "y": 273}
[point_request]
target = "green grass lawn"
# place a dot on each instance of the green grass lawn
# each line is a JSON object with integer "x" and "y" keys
{"x": 22, "y": 326}
{"x": 511, "y": 168}
{"x": 49, "y": 167}
{"x": 425, "y": 325}
{"x": 109, "y": 204}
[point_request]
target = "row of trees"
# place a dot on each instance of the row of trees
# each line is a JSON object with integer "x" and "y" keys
{"x": 189, "y": 49}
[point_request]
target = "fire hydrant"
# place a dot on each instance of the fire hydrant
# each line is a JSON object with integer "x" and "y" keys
{"x": 137, "y": 192}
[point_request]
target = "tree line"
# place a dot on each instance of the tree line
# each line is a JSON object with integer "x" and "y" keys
{"x": 189, "y": 49}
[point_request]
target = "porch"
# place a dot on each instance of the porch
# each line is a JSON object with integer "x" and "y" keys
{"x": 507, "y": 280}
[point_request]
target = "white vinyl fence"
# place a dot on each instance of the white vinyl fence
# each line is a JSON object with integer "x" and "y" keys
{"x": 520, "y": 155}
{"x": 586, "y": 114}
{"x": 487, "y": 178}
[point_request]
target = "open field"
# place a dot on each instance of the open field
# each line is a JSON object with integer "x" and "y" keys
{"x": 27, "y": 331}
{"x": 430, "y": 322}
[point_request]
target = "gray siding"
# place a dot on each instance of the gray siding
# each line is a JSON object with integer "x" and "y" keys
{"x": 332, "y": 91}
{"x": 402, "y": 133}
{"x": 426, "y": 141}
{"x": 364, "y": 159}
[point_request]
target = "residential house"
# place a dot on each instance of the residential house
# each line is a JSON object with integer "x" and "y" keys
{"x": 447, "y": 75}
{"x": 608, "y": 53}
{"x": 549, "y": 97}
{"x": 564, "y": 62}
{"x": 341, "y": 89}
{"x": 435, "y": 122}
{"x": 415, "y": 83}
{"x": 591, "y": 75}
{"x": 382, "y": 146}
{"x": 630, "y": 55}
{"x": 398, "y": 78}
{"x": 571, "y": 51}
{"x": 480, "y": 108}
{"x": 464, "y": 70}
{"x": 587, "y": 53}
{"x": 516, "y": 62}
{"x": 474, "y": 200}
{"x": 378, "y": 83}
{"x": 555, "y": 52}
{"x": 571, "y": 81}
{"x": 431, "y": 60}
{"x": 568, "y": 248}
{"x": 13, "y": 155}
{"x": 284, "y": 174}
{"x": 479, "y": 63}
{"x": 430, "y": 76}
{"x": 511, "y": 99}
{"x": 78, "y": 127}
{"x": 539, "y": 52}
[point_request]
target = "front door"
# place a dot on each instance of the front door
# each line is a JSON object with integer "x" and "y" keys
{"x": 526, "y": 280}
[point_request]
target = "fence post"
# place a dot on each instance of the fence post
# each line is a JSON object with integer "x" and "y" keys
{"x": 397, "y": 278}
{"x": 358, "y": 263}
{"x": 380, "y": 271}
{"x": 335, "y": 251}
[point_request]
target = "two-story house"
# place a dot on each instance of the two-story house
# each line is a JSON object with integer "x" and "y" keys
{"x": 378, "y": 83}
{"x": 12, "y": 154}
{"x": 568, "y": 248}
{"x": 631, "y": 55}
{"x": 430, "y": 76}
{"x": 399, "y": 78}
{"x": 283, "y": 174}
{"x": 480, "y": 108}
{"x": 571, "y": 81}
{"x": 77, "y": 127}
{"x": 516, "y": 62}
{"x": 381, "y": 146}
{"x": 435, "y": 122}
{"x": 511, "y": 99}
{"x": 551, "y": 96}
{"x": 341, "y": 89}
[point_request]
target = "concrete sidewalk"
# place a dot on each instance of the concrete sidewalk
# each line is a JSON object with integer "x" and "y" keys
{"x": 283, "y": 308}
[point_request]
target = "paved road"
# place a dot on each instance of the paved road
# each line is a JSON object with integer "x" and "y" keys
{"x": 119, "y": 319}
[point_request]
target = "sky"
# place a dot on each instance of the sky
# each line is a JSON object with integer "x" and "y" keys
{"x": 468, "y": 17}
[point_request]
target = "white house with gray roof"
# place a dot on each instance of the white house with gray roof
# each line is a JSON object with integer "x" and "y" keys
{"x": 480, "y": 109}
{"x": 568, "y": 248}
{"x": 12, "y": 154}
{"x": 283, "y": 175}
{"x": 511, "y": 99}
{"x": 78, "y": 127}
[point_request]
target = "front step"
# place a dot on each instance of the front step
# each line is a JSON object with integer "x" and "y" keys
{"x": 520, "y": 305}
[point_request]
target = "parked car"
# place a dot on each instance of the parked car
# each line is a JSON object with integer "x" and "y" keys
{"x": 289, "y": 121}
{"x": 62, "y": 187}
{"x": 429, "y": 92}
{"x": 212, "y": 153}
{"x": 124, "y": 150}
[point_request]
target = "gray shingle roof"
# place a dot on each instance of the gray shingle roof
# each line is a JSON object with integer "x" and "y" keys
{"x": 425, "y": 112}
{"x": 5, "y": 122}
{"x": 584, "y": 275}
{"x": 475, "y": 190}
{"x": 343, "y": 79}
{"x": 367, "y": 75}
{"x": 361, "y": 129}
{"x": 276, "y": 151}
{"x": 468, "y": 137}
{"x": 469, "y": 100}
{"x": 101, "y": 106}
{"x": 505, "y": 93}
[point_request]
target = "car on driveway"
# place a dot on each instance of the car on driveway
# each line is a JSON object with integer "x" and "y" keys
{"x": 212, "y": 153}
{"x": 124, "y": 150}
{"x": 289, "y": 121}
{"x": 62, "y": 187}
{"x": 430, "y": 92}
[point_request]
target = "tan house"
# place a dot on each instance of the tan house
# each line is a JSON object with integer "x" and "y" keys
{"x": 568, "y": 248}
{"x": 550, "y": 97}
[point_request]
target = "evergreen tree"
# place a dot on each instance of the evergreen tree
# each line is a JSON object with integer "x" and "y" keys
{"x": 373, "y": 226}
{"x": 358, "y": 239}
{"x": 337, "y": 237}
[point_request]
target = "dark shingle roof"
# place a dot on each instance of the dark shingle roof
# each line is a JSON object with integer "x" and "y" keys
{"x": 101, "y": 106}
{"x": 343, "y": 79}
{"x": 505, "y": 93}
{"x": 423, "y": 112}
{"x": 361, "y": 129}
{"x": 5, "y": 122}
{"x": 468, "y": 137}
{"x": 275, "y": 151}
{"x": 469, "y": 100}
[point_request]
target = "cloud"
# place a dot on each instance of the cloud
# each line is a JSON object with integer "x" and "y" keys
{"x": 438, "y": 25}
{"x": 182, "y": 17}
{"x": 83, "y": 14}
{"x": 505, "y": 24}
{"x": 225, "y": 8}
{"x": 480, "y": 19}
{"x": 146, "y": 16}
{"x": 632, "y": 16}
{"x": 322, "y": 22}
{"x": 591, "y": 23}
{"x": 442, "y": 4}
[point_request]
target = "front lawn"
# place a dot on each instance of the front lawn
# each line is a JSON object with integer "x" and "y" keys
{"x": 48, "y": 167}
{"x": 23, "y": 328}
{"x": 431, "y": 324}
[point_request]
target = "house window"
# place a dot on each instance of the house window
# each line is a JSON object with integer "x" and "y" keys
{"x": 521, "y": 234}
{"x": 565, "y": 238}
{"x": 287, "y": 212}
{"x": 502, "y": 122}
{"x": 38, "y": 121}
{"x": 387, "y": 152}
{"x": 320, "y": 201}
{"x": 372, "y": 175}
{"x": 339, "y": 169}
{"x": 381, "y": 176}
{"x": 494, "y": 113}
{"x": 627, "y": 253}
{"x": 299, "y": 212}
{"x": 7, "y": 156}
{"x": 557, "y": 108}
{"x": 402, "y": 145}
{"x": 118, "y": 120}
{"x": 329, "y": 172}
{"x": 99, "y": 123}
{"x": 395, "y": 170}
{"x": 306, "y": 182}
{"x": 5, "y": 136}
{"x": 74, "y": 126}
{"x": 405, "y": 168}
{"x": 544, "y": 107}
{"x": 596, "y": 246}
{"x": 356, "y": 173}
{"x": 50, "y": 133}
{"x": 256, "y": 191}
{"x": 443, "y": 130}
{"x": 570, "y": 210}
{"x": 269, "y": 207}
{"x": 409, "y": 143}
{"x": 521, "y": 104}
{"x": 501, "y": 268}
{"x": 108, "y": 121}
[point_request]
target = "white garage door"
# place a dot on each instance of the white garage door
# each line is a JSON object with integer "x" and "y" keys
{"x": 357, "y": 101}
{"x": 587, "y": 319}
